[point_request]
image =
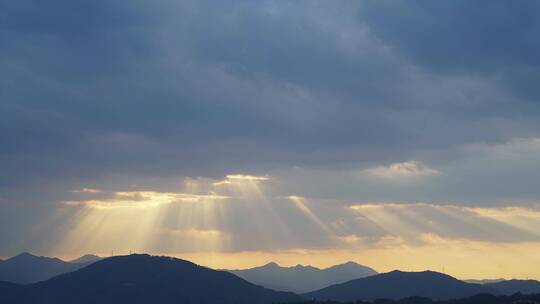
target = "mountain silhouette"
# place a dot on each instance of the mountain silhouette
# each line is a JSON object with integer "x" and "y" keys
{"x": 146, "y": 279}
{"x": 87, "y": 258}
{"x": 26, "y": 268}
{"x": 483, "y": 298}
{"x": 9, "y": 292}
{"x": 509, "y": 287}
{"x": 398, "y": 285}
{"x": 301, "y": 278}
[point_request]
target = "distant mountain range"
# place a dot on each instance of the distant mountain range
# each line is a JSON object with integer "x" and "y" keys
{"x": 428, "y": 284}
{"x": 143, "y": 279}
{"x": 301, "y": 278}
{"x": 86, "y": 259}
{"x": 26, "y": 268}
{"x": 513, "y": 286}
{"x": 152, "y": 279}
{"x": 476, "y": 299}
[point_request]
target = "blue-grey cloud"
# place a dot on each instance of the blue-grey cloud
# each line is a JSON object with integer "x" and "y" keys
{"x": 108, "y": 94}
{"x": 204, "y": 87}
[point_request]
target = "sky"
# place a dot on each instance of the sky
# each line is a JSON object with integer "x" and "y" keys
{"x": 397, "y": 134}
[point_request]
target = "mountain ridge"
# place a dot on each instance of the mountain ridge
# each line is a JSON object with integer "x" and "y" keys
{"x": 508, "y": 287}
{"x": 146, "y": 279}
{"x": 398, "y": 284}
{"x": 26, "y": 268}
{"x": 87, "y": 258}
{"x": 302, "y": 278}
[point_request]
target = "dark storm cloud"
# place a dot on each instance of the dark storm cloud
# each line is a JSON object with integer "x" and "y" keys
{"x": 494, "y": 39}
{"x": 179, "y": 88}
{"x": 476, "y": 36}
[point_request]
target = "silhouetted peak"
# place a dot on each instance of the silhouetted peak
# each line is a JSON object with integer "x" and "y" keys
{"x": 302, "y": 277}
{"x": 416, "y": 272}
{"x": 271, "y": 265}
{"x": 419, "y": 274}
{"x": 305, "y": 267}
{"x": 349, "y": 264}
{"x": 136, "y": 256}
{"x": 399, "y": 284}
{"x": 25, "y": 255}
{"x": 140, "y": 258}
{"x": 436, "y": 273}
{"x": 87, "y": 258}
{"x": 141, "y": 263}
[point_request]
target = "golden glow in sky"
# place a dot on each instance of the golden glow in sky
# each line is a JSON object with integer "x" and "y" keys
{"x": 237, "y": 223}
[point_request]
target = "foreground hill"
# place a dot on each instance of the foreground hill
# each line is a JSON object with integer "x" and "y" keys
{"x": 8, "y": 291}
{"x": 147, "y": 279}
{"x": 398, "y": 285}
{"x": 303, "y": 278}
{"x": 26, "y": 268}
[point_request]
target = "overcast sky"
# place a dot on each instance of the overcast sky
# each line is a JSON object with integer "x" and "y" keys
{"x": 273, "y": 129}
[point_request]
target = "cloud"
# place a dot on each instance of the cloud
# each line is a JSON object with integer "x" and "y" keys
{"x": 87, "y": 190}
{"x": 261, "y": 84}
{"x": 252, "y": 217}
{"x": 239, "y": 178}
{"x": 486, "y": 49}
{"x": 403, "y": 170}
{"x": 246, "y": 177}
{"x": 144, "y": 199}
{"x": 243, "y": 213}
{"x": 413, "y": 222}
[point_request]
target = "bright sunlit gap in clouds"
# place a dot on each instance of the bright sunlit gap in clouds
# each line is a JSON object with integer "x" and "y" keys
{"x": 240, "y": 222}
{"x": 406, "y": 169}
{"x": 189, "y": 221}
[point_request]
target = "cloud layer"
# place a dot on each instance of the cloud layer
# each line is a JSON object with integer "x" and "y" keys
{"x": 199, "y": 89}
{"x": 332, "y": 125}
